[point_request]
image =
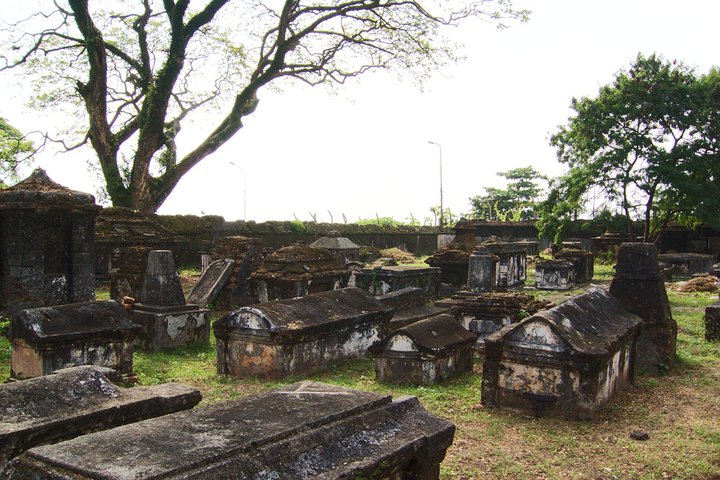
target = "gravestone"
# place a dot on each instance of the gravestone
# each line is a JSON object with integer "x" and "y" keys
{"x": 76, "y": 401}
{"x": 582, "y": 260}
{"x": 482, "y": 270}
{"x": 300, "y": 335}
{"x": 685, "y": 265}
{"x": 453, "y": 264}
{"x": 47, "y": 236}
{"x": 305, "y": 430}
{"x": 640, "y": 287}
{"x": 247, "y": 254}
{"x": 166, "y": 319}
{"x": 554, "y": 275}
{"x": 569, "y": 360}
{"x": 344, "y": 249}
{"x": 211, "y": 282}
{"x": 486, "y": 312}
{"x": 383, "y": 280}
{"x": 425, "y": 352}
{"x": 410, "y": 305}
{"x": 89, "y": 333}
{"x": 128, "y": 273}
{"x": 296, "y": 271}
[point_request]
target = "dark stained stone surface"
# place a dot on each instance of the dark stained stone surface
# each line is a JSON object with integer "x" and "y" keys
{"x": 591, "y": 323}
{"x": 161, "y": 286}
{"x": 66, "y": 323}
{"x": 640, "y": 287}
{"x": 436, "y": 335}
{"x": 305, "y": 430}
{"x": 76, "y": 401}
{"x": 39, "y": 191}
{"x": 411, "y": 305}
{"x": 311, "y": 314}
{"x": 211, "y": 282}
{"x": 582, "y": 260}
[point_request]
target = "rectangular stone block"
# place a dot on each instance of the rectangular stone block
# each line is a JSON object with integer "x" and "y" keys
{"x": 171, "y": 327}
{"x": 305, "y": 430}
{"x": 76, "y": 401}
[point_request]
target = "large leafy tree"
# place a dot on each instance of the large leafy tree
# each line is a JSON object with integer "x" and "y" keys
{"x": 138, "y": 69}
{"x": 648, "y": 142}
{"x": 14, "y": 149}
{"x": 518, "y": 201}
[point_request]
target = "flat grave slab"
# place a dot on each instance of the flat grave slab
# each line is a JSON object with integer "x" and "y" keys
{"x": 75, "y": 401}
{"x": 301, "y": 431}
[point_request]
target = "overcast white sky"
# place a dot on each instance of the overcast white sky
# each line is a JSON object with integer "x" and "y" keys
{"x": 364, "y": 150}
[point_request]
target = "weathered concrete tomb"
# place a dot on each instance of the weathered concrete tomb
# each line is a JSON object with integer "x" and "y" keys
{"x": 453, "y": 264}
{"x": 712, "y": 322}
{"x": 46, "y": 244}
{"x": 486, "y": 312}
{"x": 425, "y": 352}
{"x": 380, "y": 281}
{"x": 410, "y": 304}
{"x": 511, "y": 269}
{"x": 567, "y": 361}
{"x": 554, "y": 275}
{"x": 76, "y": 401}
{"x": 687, "y": 264}
{"x": 344, "y": 249}
{"x": 639, "y": 286}
{"x": 211, "y": 282}
{"x": 582, "y": 260}
{"x": 482, "y": 270}
{"x": 296, "y": 271}
{"x": 128, "y": 273}
{"x": 301, "y": 335}
{"x": 88, "y": 333}
{"x": 305, "y": 430}
{"x": 166, "y": 319}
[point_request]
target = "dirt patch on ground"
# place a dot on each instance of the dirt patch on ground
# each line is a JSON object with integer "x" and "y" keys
{"x": 698, "y": 284}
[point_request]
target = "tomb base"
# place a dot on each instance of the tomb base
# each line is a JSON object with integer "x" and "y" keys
{"x": 169, "y": 327}
{"x": 712, "y": 323}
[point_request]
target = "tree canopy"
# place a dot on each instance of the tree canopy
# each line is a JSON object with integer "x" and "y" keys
{"x": 13, "y": 150}
{"x": 649, "y": 142}
{"x": 137, "y": 70}
{"x": 518, "y": 201}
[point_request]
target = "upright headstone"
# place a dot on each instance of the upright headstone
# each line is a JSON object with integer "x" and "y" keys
{"x": 47, "y": 236}
{"x": 482, "y": 270}
{"x": 640, "y": 288}
{"x": 167, "y": 320}
{"x": 213, "y": 279}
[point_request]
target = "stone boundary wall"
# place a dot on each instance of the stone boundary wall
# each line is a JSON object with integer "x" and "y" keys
{"x": 200, "y": 233}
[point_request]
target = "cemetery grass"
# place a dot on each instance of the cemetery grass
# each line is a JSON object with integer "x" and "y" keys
{"x": 679, "y": 411}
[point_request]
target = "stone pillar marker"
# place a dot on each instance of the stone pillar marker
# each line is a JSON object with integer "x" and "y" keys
{"x": 481, "y": 270}
{"x": 712, "y": 313}
{"x": 167, "y": 320}
{"x": 640, "y": 288}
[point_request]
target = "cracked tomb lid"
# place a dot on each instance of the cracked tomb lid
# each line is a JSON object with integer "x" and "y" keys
{"x": 38, "y": 191}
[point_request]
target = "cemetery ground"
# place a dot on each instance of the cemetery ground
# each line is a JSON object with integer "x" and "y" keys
{"x": 680, "y": 410}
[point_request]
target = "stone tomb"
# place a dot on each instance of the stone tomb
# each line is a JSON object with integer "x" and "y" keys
{"x": 686, "y": 265}
{"x": 453, "y": 264}
{"x": 639, "y": 286}
{"x": 296, "y": 271}
{"x": 582, "y": 260}
{"x": 247, "y": 256}
{"x": 425, "y": 352}
{"x": 76, "y": 401}
{"x": 344, "y": 249}
{"x": 567, "y": 361}
{"x": 299, "y": 336}
{"x": 89, "y": 333}
{"x": 211, "y": 282}
{"x": 47, "y": 236}
{"x": 411, "y": 304}
{"x": 511, "y": 269}
{"x": 485, "y": 313}
{"x": 305, "y": 430}
{"x": 554, "y": 275}
{"x": 380, "y": 281}
{"x": 166, "y": 319}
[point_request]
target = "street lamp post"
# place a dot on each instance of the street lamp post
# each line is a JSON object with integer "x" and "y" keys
{"x": 442, "y": 212}
{"x": 244, "y": 188}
